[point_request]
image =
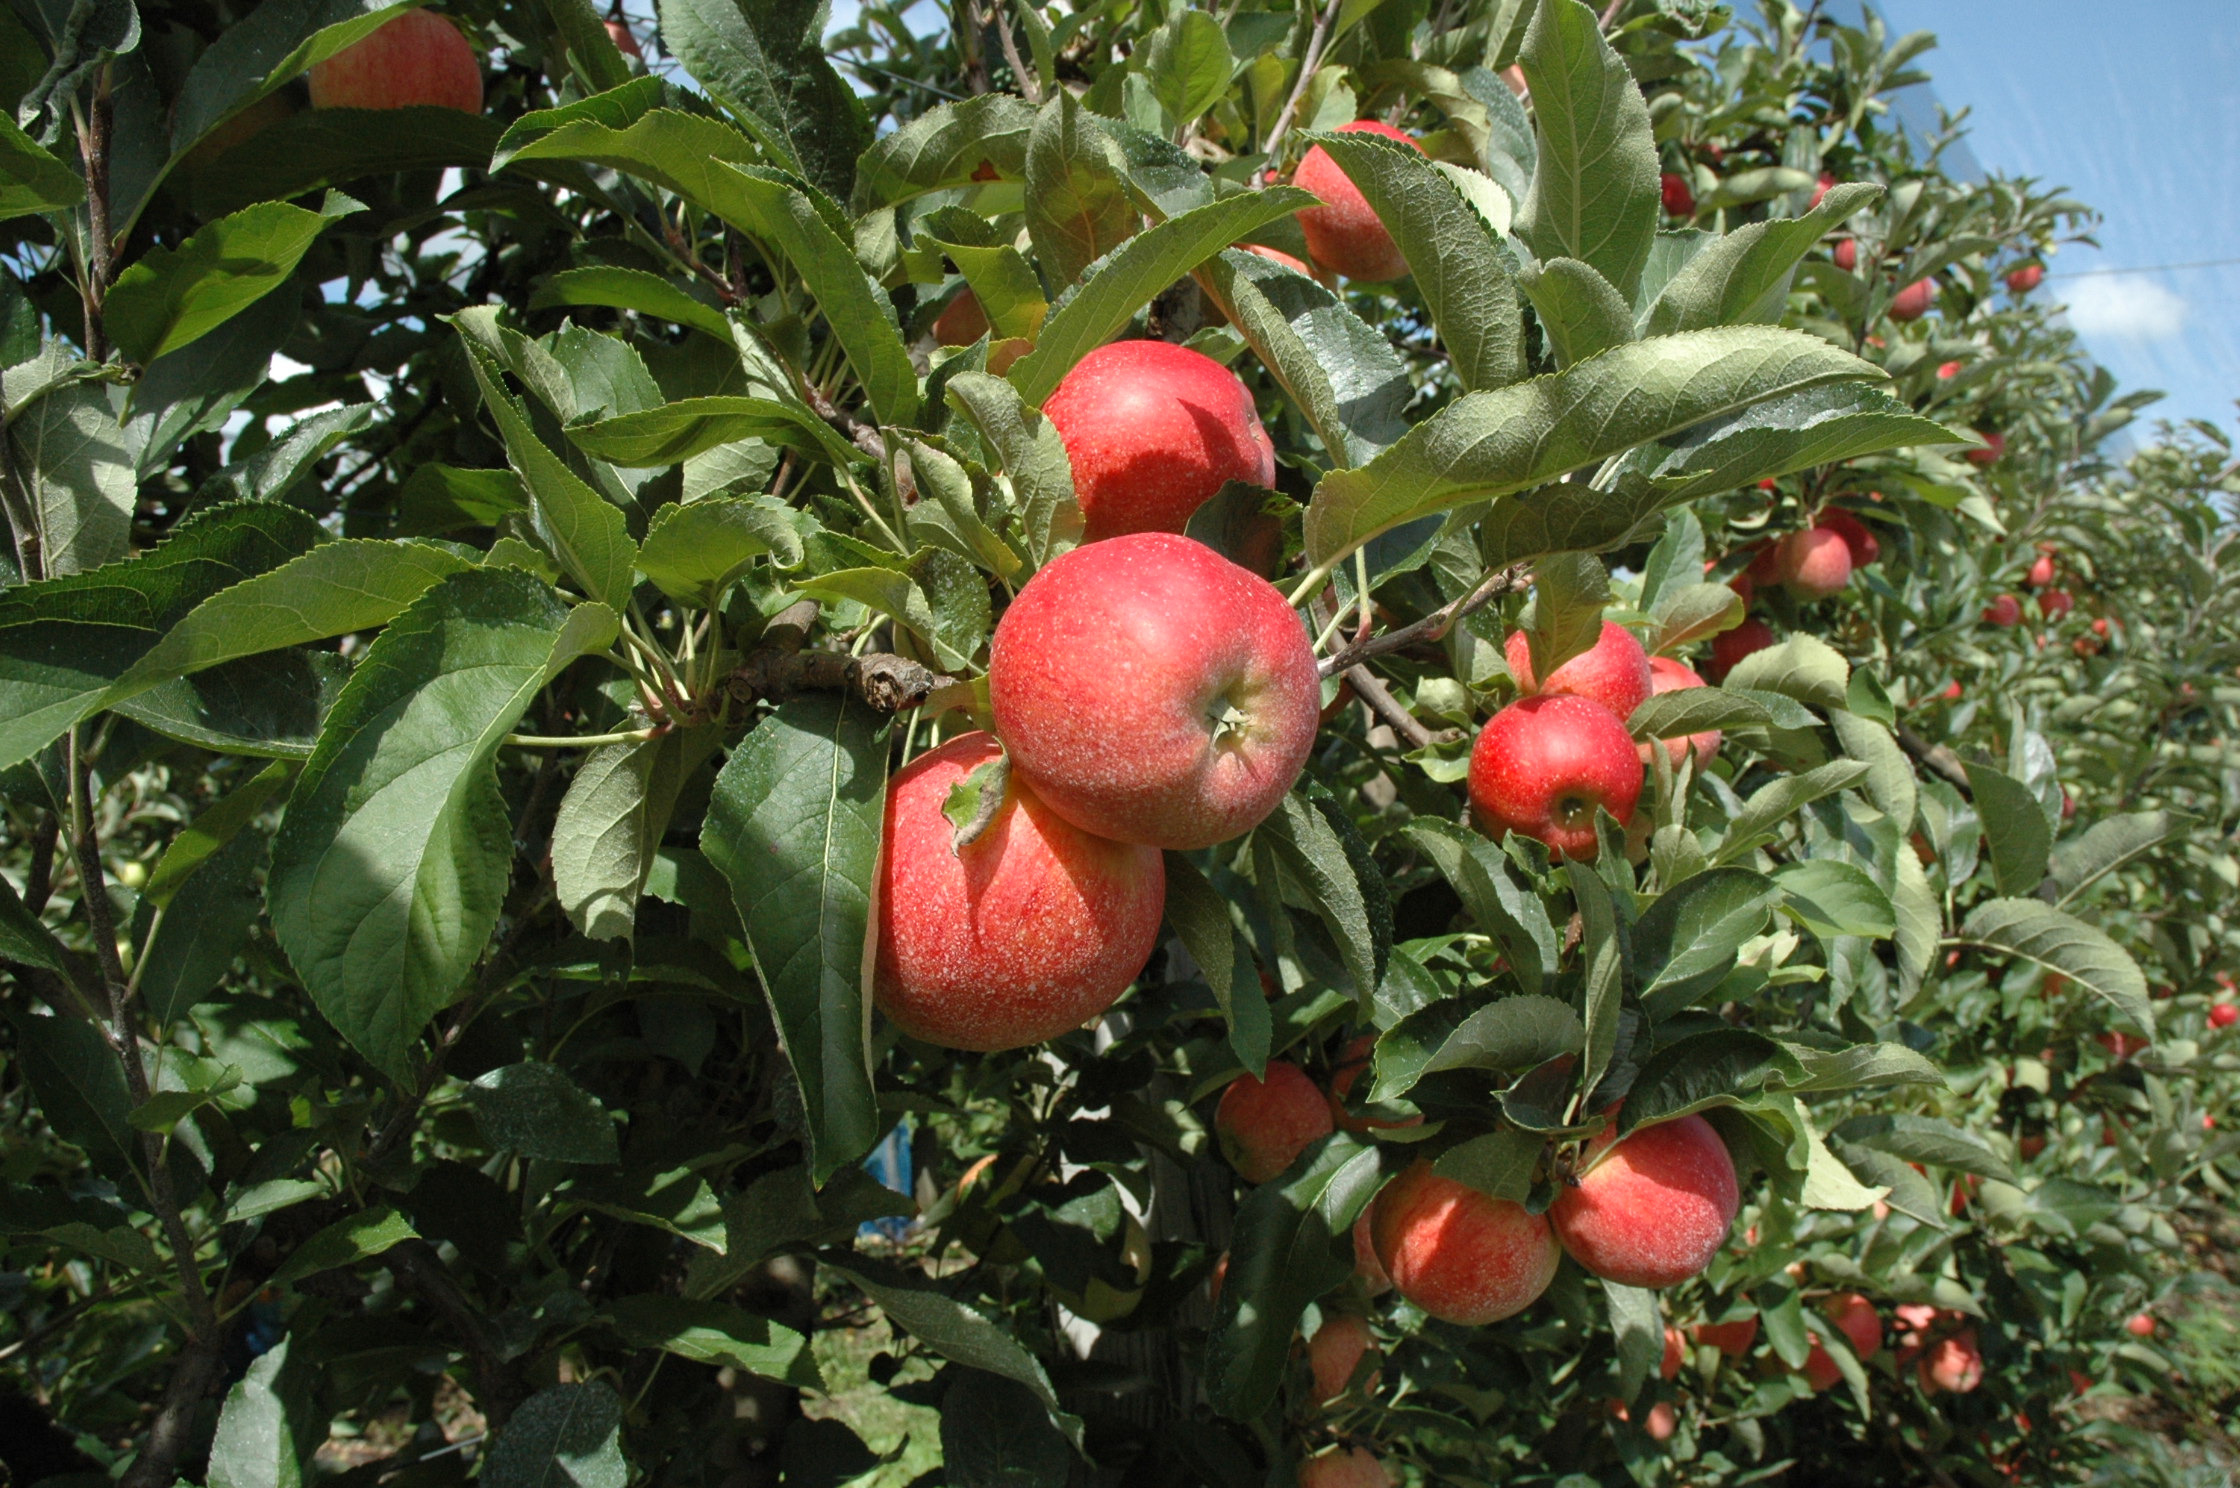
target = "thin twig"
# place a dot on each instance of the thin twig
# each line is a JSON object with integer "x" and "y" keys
{"x": 1431, "y": 627}
{"x": 1371, "y": 690}
{"x": 1030, "y": 83}
{"x": 93, "y": 147}
{"x": 778, "y": 667}
{"x": 1937, "y": 758}
{"x": 1307, "y": 67}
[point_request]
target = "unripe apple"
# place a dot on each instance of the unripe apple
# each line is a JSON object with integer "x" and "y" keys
{"x": 2041, "y": 572}
{"x": 1675, "y": 1353}
{"x": 1667, "y": 675}
{"x": 1995, "y": 445}
{"x": 2054, "y": 603}
{"x": 1614, "y": 671}
{"x": 1336, "y": 1351}
{"x": 418, "y": 58}
{"x": 1263, "y": 1124}
{"x": 2139, "y": 1325}
{"x": 1352, "y": 1063}
{"x": 1344, "y": 233}
{"x": 1153, "y": 429}
{"x": 1858, "y": 537}
{"x": 1543, "y": 765}
{"x": 1731, "y": 1339}
{"x": 626, "y": 42}
{"x": 1029, "y": 930}
{"x": 1846, "y": 254}
{"x": 1152, "y": 691}
{"x": 1855, "y": 1317}
{"x": 1679, "y": 200}
{"x": 1815, "y": 563}
{"x": 2224, "y": 1015}
{"x": 2004, "y": 612}
{"x": 2026, "y": 278}
{"x": 1730, "y": 646}
{"x": 1459, "y": 1254}
{"x": 1914, "y": 300}
{"x": 1345, "y": 1467}
{"x": 1954, "y": 1364}
{"x": 1653, "y": 1209}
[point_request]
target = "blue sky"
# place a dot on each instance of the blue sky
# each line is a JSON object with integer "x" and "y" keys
{"x": 2135, "y": 106}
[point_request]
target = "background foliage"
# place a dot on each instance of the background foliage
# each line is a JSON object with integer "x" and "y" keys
{"x": 399, "y": 1090}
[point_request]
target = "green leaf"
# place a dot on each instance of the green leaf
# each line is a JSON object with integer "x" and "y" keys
{"x": 1601, "y": 971}
{"x": 444, "y": 498}
{"x": 1113, "y": 288}
{"x": 993, "y": 1435}
{"x": 1924, "y": 1139}
{"x": 1467, "y": 277}
{"x": 1704, "y": 1070}
{"x": 172, "y": 296}
{"x": 1689, "y": 938}
{"x": 1492, "y": 444}
{"x": 1803, "y": 667}
{"x": 1520, "y": 1031}
{"x": 24, "y": 939}
{"x": 80, "y": 1089}
{"x": 1287, "y": 1248}
{"x": 79, "y": 470}
{"x": 1819, "y": 426}
{"x": 943, "y": 147}
{"x": 794, "y": 824}
{"x": 1199, "y": 916}
{"x": 1693, "y": 710}
{"x": 2014, "y": 825}
{"x": 31, "y": 179}
{"x": 676, "y": 1200}
{"x": 321, "y": 149}
{"x": 1500, "y": 1164}
{"x": 592, "y": 53}
{"x": 1690, "y": 612}
{"x": 255, "y": 1443}
{"x": 583, "y": 529}
{"x": 1833, "y": 898}
{"x": 1033, "y": 456}
{"x": 263, "y": 49}
{"x": 1890, "y": 782}
{"x": 957, "y": 1332}
{"x": 536, "y": 1110}
{"x": 1581, "y": 312}
{"x": 1771, "y": 805}
{"x": 1744, "y": 276}
{"x": 610, "y": 825}
{"x": 1569, "y": 593}
{"x": 1638, "y": 1322}
{"x": 948, "y": 512}
{"x": 768, "y": 58}
{"x": 1077, "y": 209}
{"x": 2108, "y": 845}
{"x": 694, "y": 553}
{"x": 389, "y": 871}
{"x": 564, "y": 1436}
{"x": 205, "y": 926}
{"x": 346, "y": 1242}
{"x": 714, "y": 1333}
{"x": 165, "y": 1109}
{"x": 1480, "y": 874}
{"x": 2058, "y": 941}
{"x": 1594, "y": 194}
{"x": 1338, "y": 369}
{"x": 675, "y": 432}
{"x": 631, "y": 289}
{"x": 272, "y": 472}
{"x": 1188, "y": 64}
{"x": 1322, "y": 852}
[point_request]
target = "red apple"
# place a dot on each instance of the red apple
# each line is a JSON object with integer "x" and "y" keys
{"x": 1730, "y": 646}
{"x": 1731, "y": 1339}
{"x": 1679, "y": 200}
{"x": 1820, "y": 1370}
{"x": 1345, "y": 1467}
{"x": 1152, "y": 691}
{"x": 1995, "y": 445}
{"x": 1543, "y": 765}
{"x": 2041, "y": 572}
{"x": 2224, "y": 1015}
{"x": 1914, "y": 300}
{"x": 1335, "y": 1353}
{"x": 1365, "y": 1262}
{"x": 1668, "y": 675}
{"x": 1458, "y": 1254}
{"x": 1847, "y": 254}
{"x": 2139, "y": 1325}
{"x": 1855, "y": 1317}
{"x": 1951, "y": 694}
{"x": 1675, "y": 1354}
{"x": 1614, "y": 671}
{"x": 1815, "y": 563}
{"x": 1263, "y": 1125}
{"x": 2026, "y": 278}
{"x": 1029, "y": 930}
{"x": 418, "y": 58}
{"x": 1653, "y": 1209}
{"x": 2004, "y": 612}
{"x": 1152, "y": 429}
{"x": 2054, "y": 603}
{"x": 1858, "y": 537}
{"x": 1954, "y": 1364}
{"x": 626, "y": 42}
{"x": 962, "y": 321}
{"x": 1821, "y": 188}
{"x": 1344, "y": 234}
{"x": 1946, "y": 371}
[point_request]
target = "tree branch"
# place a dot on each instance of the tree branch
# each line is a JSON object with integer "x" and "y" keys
{"x": 1368, "y": 687}
{"x": 1938, "y": 758}
{"x": 1030, "y": 84}
{"x": 778, "y": 667}
{"x": 1431, "y": 627}
{"x": 1307, "y": 66}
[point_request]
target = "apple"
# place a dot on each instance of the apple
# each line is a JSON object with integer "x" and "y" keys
{"x": 1667, "y": 675}
{"x": 1732, "y": 1339}
{"x": 1679, "y": 200}
{"x": 1730, "y": 646}
{"x": 1765, "y": 563}
{"x": 1946, "y": 371}
{"x": 1815, "y": 563}
{"x": 1954, "y": 1364}
{"x": 2100, "y": 626}
{"x": 1335, "y": 1352}
{"x": 2026, "y": 278}
{"x": 1263, "y": 1124}
{"x": 1855, "y": 1317}
{"x": 1344, "y": 234}
{"x": 962, "y": 321}
{"x": 418, "y": 58}
{"x": 1951, "y": 694}
{"x": 2139, "y": 1325}
{"x": 1821, "y": 188}
{"x": 1675, "y": 1353}
{"x": 240, "y": 128}
{"x": 1652, "y": 1209}
{"x": 1542, "y": 767}
{"x": 2224, "y": 1015}
{"x": 1660, "y": 1423}
{"x": 1277, "y": 255}
{"x": 626, "y": 42}
{"x": 2004, "y": 612}
{"x": 1857, "y": 536}
{"x": 1820, "y": 1369}
{"x": 1029, "y": 930}
{"x": 1152, "y": 429}
{"x": 1614, "y": 671}
{"x": 2041, "y": 572}
{"x": 2122, "y": 1045}
{"x": 1459, "y": 1254}
{"x": 1345, "y": 1467}
{"x": 1846, "y": 254}
{"x": 2054, "y": 603}
{"x": 1365, "y": 1262}
{"x": 2030, "y": 1146}
{"x": 1154, "y": 692}
{"x": 1914, "y": 300}
{"x": 1995, "y": 445}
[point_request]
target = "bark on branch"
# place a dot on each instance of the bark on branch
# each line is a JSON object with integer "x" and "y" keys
{"x": 1431, "y": 627}
{"x": 778, "y": 667}
{"x": 1938, "y": 758}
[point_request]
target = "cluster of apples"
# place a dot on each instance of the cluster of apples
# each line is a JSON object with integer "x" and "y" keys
{"x": 1814, "y": 562}
{"x": 2054, "y": 602}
